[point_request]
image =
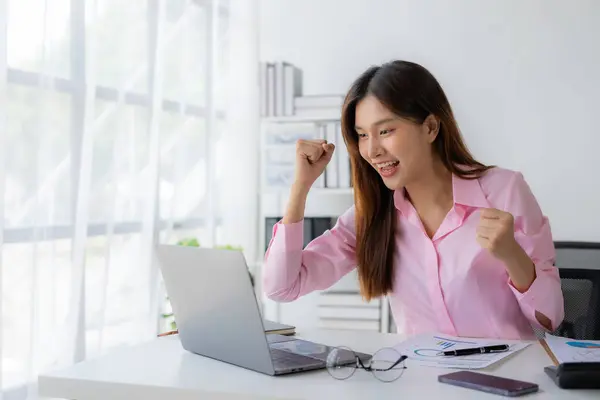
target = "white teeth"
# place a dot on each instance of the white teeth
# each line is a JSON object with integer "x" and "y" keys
{"x": 386, "y": 164}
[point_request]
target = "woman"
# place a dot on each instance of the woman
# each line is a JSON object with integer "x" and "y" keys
{"x": 459, "y": 247}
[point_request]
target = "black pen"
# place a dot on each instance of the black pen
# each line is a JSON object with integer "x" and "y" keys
{"x": 477, "y": 350}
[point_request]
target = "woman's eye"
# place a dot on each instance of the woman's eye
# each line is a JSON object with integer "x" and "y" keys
{"x": 362, "y": 135}
{"x": 384, "y": 131}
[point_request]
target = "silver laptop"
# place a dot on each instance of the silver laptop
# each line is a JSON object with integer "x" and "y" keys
{"x": 217, "y": 313}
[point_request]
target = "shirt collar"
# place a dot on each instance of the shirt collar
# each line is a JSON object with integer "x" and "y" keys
{"x": 466, "y": 192}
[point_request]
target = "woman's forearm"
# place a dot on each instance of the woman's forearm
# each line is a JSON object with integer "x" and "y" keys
{"x": 521, "y": 271}
{"x": 520, "y": 268}
{"x": 296, "y": 204}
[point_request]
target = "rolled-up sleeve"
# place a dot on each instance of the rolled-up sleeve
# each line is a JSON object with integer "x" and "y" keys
{"x": 533, "y": 233}
{"x": 291, "y": 271}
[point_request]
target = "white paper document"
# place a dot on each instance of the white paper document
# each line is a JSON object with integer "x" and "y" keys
{"x": 571, "y": 350}
{"x": 425, "y": 349}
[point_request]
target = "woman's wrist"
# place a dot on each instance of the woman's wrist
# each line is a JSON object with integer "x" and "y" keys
{"x": 300, "y": 189}
{"x": 520, "y": 268}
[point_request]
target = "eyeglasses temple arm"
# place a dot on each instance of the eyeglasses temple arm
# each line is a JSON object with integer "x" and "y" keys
{"x": 361, "y": 363}
{"x": 396, "y": 363}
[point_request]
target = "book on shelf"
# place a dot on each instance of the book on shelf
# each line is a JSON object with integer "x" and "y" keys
{"x": 337, "y": 173}
{"x": 292, "y": 84}
{"x": 280, "y": 83}
{"x": 331, "y": 171}
{"x": 343, "y": 159}
{"x": 320, "y": 182}
{"x": 281, "y": 96}
{"x": 262, "y": 89}
{"x": 320, "y": 226}
{"x": 279, "y": 89}
{"x": 269, "y": 89}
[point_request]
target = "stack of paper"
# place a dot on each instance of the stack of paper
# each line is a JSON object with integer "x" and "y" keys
{"x": 571, "y": 350}
{"x": 425, "y": 349}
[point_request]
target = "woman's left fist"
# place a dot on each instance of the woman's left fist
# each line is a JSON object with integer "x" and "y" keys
{"x": 496, "y": 232}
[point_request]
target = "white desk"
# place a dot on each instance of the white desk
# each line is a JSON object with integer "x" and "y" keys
{"x": 161, "y": 369}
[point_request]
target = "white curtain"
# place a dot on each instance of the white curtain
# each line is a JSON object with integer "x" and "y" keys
{"x": 122, "y": 124}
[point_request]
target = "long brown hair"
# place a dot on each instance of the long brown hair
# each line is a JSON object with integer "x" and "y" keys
{"x": 409, "y": 91}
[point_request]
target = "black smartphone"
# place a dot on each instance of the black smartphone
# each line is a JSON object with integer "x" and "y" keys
{"x": 489, "y": 383}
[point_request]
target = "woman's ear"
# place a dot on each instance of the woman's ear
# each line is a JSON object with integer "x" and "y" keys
{"x": 431, "y": 125}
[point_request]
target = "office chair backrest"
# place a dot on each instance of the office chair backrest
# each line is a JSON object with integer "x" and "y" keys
{"x": 579, "y": 268}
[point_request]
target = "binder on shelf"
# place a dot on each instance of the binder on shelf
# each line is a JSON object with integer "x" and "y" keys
{"x": 263, "y": 87}
{"x": 269, "y": 225}
{"x": 307, "y": 231}
{"x": 280, "y": 83}
{"x": 343, "y": 159}
{"x": 319, "y": 226}
{"x": 270, "y": 89}
{"x": 279, "y": 89}
{"x": 281, "y": 94}
{"x": 292, "y": 77}
{"x": 320, "y": 182}
{"x": 331, "y": 171}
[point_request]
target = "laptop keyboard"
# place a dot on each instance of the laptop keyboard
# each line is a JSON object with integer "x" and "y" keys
{"x": 283, "y": 359}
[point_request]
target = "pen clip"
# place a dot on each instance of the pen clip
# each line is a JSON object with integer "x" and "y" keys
{"x": 507, "y": 348}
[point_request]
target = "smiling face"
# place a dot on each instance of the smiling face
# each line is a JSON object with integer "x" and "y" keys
{"x": 398, "y": 148}
{"x": 399, "y": 128}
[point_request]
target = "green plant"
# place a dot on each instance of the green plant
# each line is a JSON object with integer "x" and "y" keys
{"x": 193, "y": 242}
{"x": 189, "y": 242}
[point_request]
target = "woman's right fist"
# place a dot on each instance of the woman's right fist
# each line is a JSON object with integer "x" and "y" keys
{"x": 312, "y": 156}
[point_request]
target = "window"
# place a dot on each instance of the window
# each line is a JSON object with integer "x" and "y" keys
{"x": 53, "y": 184}
{"x": 39, "y": 37}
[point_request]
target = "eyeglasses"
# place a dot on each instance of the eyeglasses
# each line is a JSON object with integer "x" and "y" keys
{"x": 386, "y": 364}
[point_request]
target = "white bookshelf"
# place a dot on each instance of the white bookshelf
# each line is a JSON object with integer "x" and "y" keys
{"x": 288, "y": 114}
{"x": 321, "y": 202}
{"x": 313, "y": 311}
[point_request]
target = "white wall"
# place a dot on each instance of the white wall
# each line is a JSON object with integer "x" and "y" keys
{"x": 523, "y": 77}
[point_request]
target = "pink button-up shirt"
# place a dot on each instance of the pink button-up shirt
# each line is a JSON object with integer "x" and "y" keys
{"x": 446, "y": 284}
